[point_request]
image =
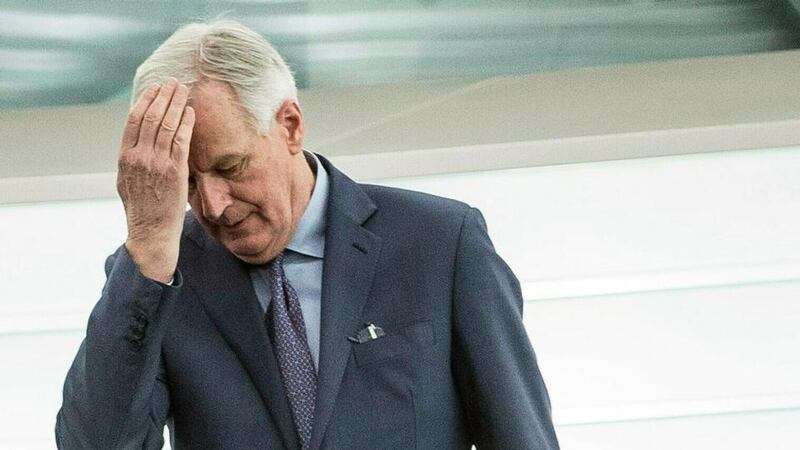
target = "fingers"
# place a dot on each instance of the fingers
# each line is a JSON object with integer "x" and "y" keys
{"x": 183, "y": 137}
{"x": 151, "y": 123}
{"x": 171, "y": 121}
{"x": 131, "y": 133}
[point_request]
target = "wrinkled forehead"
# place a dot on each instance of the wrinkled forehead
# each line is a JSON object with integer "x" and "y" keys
{"x": 220, "y": 128}
{"x": 215, "y": 101}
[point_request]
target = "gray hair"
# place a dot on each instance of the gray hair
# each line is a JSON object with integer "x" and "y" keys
{"x": 225, "y": 51}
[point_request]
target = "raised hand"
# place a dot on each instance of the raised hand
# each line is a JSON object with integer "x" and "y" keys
{"x": 153, "y": 177}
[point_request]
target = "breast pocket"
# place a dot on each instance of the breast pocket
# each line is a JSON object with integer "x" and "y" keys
{"x": 394, "y": 344}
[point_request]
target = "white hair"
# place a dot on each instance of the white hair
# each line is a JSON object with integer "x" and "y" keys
{"x": 225, "y": 51}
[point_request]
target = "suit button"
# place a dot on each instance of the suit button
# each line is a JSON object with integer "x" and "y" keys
{"x": 140, "y": 319}
{"x": 137, "y": 331}
{"x": 137, "y": 334}
{"x": 136, "y": 343}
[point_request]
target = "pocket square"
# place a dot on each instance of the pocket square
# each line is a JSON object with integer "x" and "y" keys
{"x": 370, "y": 332}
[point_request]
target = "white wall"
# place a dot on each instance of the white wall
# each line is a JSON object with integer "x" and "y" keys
{"x": 661, "y": 295}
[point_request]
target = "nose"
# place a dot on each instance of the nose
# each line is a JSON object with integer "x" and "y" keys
{"x": 214, "y": 198}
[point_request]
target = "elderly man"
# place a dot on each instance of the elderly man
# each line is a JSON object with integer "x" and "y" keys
{"x": 292, "y": 307}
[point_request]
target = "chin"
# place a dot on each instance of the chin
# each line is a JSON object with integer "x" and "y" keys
{"x": 255, "y": 260}
{"x": 251, "y": 249}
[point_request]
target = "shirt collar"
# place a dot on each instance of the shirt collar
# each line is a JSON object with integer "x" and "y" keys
{"x": 309, "y": 238}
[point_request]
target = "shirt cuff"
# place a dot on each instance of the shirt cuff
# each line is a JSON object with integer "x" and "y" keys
{"x": 175, "y": 281}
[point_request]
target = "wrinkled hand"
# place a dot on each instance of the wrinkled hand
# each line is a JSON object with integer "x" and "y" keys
{"x": 153, "y": 177}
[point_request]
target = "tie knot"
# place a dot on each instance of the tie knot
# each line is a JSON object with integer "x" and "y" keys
{"x": 277, "y": 262}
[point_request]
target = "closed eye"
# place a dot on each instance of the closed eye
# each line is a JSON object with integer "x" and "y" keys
{"x": 228, "y": 170}
{"x": 233, "y": 170}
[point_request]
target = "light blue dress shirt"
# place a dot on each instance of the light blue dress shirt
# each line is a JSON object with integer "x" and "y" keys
{"x": 302, "y": 261}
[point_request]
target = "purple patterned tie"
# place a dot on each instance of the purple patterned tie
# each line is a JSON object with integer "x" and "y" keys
{"x": 288, "y": 332}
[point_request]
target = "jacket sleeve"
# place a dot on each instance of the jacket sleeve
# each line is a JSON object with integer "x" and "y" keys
{"x": 501, "y": 389}
{"x": 115, "y": 394}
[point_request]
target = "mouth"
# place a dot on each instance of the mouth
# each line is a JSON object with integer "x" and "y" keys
{"x": 237, "y": 226}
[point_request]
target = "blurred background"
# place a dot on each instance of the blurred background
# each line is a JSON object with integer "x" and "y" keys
{"x": 637, "y": 163}
{"x": 77, "y": 52}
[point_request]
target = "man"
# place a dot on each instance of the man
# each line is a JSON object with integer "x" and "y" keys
{"x": 292, "y": 307}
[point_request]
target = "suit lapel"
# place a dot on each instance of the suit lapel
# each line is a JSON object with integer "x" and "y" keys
{"x": 351, "y": 257}
{"x": 223, "y": 284}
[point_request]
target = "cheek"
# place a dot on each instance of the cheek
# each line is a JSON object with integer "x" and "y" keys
{"x": 272, "y": 211}
{"x": 271, "y": 201}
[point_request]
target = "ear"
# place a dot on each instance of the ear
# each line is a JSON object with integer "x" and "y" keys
{"x": 289, "y": 123}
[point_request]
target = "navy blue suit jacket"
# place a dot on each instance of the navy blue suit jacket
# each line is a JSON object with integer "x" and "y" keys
{"x": 455, "y": 367}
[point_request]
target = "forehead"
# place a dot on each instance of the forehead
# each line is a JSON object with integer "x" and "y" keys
{"x": 220, "y": 128}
